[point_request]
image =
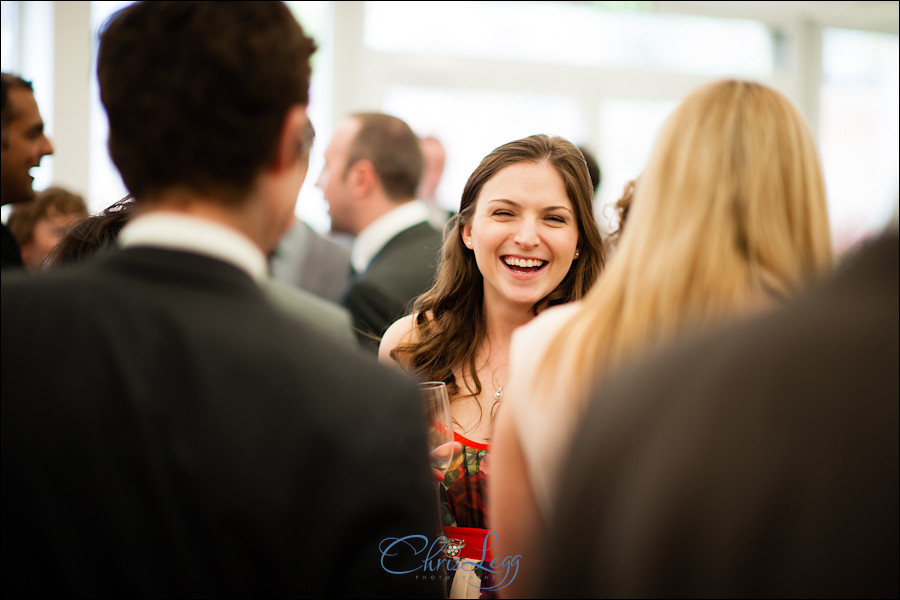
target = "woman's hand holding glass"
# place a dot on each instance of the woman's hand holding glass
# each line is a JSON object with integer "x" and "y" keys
{"x": 442, "y": 446}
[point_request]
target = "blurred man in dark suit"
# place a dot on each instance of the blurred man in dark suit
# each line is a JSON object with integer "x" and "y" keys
{"x": 758, "y": 461}
{"x": 373, "y": 166}
{"x": 181, "y": 436}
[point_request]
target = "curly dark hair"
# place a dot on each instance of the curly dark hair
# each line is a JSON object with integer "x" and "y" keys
{"x": 622, "y": 208}
{"x": 92, "y": 235}
{"x": 197, "y": 92}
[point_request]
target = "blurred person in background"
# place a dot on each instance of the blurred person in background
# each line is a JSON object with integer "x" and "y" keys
{"x": 758, "y": 460}
{"x": 622, "y": 207}
{"x": 312, "y": 262}
{"x": 40, "y": 223}
{"x": 435, "y": 157}
{"x": 729, "y": 218}
{"x": 373, "y": 166}
{"x": 593, "y": 168}
{"x": 23, "y": 144}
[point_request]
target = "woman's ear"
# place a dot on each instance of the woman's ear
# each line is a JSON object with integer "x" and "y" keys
{"x": 466, "y": 233}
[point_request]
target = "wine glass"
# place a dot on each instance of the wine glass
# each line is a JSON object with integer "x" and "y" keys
{"x": 440, "y": 428}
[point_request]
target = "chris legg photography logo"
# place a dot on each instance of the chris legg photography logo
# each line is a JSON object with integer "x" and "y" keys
{"x": 398, "y": 556}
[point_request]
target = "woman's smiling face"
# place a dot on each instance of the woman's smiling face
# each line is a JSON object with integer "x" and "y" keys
{"x": 524, "y": 233}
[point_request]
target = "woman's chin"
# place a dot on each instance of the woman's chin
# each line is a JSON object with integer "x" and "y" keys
{"x": 526, "y": 300}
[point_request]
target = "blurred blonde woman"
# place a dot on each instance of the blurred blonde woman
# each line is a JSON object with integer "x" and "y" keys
{"x": 729, "y": 217}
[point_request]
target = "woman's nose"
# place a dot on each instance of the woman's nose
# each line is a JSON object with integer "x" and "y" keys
{"x": 526, "y": 235}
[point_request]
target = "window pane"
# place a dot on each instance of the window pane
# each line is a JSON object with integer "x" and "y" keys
{"x": 106, "y": 184}
{"x": 628, "y": 129}
{"x": 859, "y": 131}
{"x": 572, "y": 34}
{"x": 316, "y": 18}
{"x": 9, "y": 52}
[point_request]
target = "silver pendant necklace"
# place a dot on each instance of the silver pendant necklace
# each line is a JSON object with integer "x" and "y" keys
{"x": 498, "y": 393}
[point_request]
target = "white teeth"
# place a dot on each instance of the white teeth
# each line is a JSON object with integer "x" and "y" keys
{"x": 523, "y": 262}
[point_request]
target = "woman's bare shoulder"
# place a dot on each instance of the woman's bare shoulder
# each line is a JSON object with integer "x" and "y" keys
{"x": 401, "y": 332}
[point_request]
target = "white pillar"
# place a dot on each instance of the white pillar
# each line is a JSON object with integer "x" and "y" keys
{"x": 72, "y": 75}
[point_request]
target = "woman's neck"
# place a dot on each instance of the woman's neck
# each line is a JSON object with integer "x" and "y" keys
{"x": 500, "y": 322}
{"x": 473, "y": 415}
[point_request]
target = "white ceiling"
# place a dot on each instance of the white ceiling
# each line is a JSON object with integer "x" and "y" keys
{"x": 876, "y": 16}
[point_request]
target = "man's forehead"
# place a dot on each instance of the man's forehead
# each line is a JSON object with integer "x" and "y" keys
{"x": 343, "y": 135}
{"x": 351, "y": 127}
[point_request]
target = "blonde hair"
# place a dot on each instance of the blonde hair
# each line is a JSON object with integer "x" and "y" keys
{"x": 731, "y": 204}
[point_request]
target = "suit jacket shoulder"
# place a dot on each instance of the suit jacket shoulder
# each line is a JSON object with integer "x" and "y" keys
{"x": 400, "y": 272}
{"x": 313, "y": 262}
{"x": 218, "y": 444}
{"x": 325, "y": 315}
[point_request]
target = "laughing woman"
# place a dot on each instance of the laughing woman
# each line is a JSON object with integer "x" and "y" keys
{"x": 524, "y": 239}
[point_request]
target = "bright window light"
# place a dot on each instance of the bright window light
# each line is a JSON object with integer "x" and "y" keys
{"x": 858, "y": 131}
{"x": 572, "y": 34}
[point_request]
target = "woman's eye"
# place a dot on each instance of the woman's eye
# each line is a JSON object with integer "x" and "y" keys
{"x": 556, "y": 219}
{"x": 502, "y": 213}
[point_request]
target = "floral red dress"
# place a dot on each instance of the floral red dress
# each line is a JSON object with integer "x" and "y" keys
{"x": 464, "y": 506}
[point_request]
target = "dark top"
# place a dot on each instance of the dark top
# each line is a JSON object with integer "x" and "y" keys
{"x": 167, "y": 432}
{"x": 10, "y": 254}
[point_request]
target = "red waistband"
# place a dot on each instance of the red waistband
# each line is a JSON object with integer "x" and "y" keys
{"x": 473, "y": 540}
{"x": 471, "y": 444}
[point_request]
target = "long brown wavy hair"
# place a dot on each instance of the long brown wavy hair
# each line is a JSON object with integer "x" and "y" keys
{"x": 449, "y": 318}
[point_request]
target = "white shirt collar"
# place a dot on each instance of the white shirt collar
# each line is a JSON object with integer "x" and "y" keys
{"x": 177, "y": 231}
{"x": 379, "y": 232}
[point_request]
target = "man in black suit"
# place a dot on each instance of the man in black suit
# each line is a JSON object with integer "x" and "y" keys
{"x": 167, "y": 431}
{"x": 758, "y": 461}
{"x": 373, "y": 166}
{"x": 23, "y": 144}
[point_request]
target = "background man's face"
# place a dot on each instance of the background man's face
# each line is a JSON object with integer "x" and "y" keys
{"x": 24, "y": 144}
{"x": 333, "y": 180}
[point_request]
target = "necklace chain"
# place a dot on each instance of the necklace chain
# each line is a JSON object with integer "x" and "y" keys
{"x": 498, "y": 393}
